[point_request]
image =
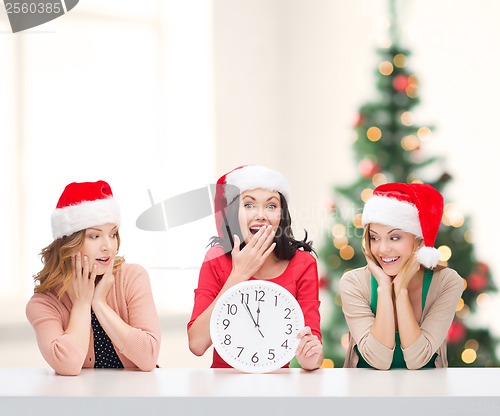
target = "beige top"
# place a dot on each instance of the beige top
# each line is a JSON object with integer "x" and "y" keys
{"x": 442, "y": 299}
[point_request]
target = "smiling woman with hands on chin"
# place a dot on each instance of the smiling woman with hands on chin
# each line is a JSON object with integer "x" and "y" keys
{"x": 400, "y": 306}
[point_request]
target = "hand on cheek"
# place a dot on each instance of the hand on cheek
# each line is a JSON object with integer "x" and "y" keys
{"x": 81, "y": 289}
{"x": 104, "y": 285}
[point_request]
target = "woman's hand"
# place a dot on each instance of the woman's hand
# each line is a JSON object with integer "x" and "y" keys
{"x": 104, "y": 285}
{"x": 248, "y": 261}
{"x": 81, "y": 289}
{"x": 377, "y": 272}
{"x": 404, "y": 277}
{"x": 309, "y": 352}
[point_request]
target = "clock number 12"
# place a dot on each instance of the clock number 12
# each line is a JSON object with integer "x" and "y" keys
{"x": 259, "y": 296}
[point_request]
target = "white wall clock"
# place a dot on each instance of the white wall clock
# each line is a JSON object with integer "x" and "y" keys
{"x": 254, "y": 326}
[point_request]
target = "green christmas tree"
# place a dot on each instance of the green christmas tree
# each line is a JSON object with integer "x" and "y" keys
{"x": 389, "y": 147}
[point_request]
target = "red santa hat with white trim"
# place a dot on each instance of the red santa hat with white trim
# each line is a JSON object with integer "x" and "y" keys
{"x": 245, "y": 178}
{"x": 415, "y": 208}
{"x": 83, "y": 205}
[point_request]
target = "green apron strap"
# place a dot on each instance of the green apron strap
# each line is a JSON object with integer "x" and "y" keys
{"x": 426, "y": 284}
{"x": 374, "y": 295}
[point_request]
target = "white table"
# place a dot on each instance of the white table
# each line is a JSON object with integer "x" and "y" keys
{"x": 165, "y": 391}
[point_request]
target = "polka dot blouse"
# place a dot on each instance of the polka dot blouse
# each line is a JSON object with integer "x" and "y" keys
{"x": 105, "y": 354}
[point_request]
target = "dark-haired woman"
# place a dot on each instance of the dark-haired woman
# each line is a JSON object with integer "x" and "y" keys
{"x": 255, "y": 241}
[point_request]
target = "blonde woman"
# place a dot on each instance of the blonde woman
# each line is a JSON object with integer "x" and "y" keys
{"x": 400, "y": 306}
{"x": 91, "y": 308}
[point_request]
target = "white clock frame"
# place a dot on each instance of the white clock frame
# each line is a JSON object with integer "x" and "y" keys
{"x": 256, "y": 342}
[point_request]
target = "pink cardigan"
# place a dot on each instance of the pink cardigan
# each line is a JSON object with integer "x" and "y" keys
{"x": 130, "y": 297}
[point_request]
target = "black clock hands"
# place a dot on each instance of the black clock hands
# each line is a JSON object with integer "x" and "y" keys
{"x": 260, "y": 332}
{"x": 257, "y": 323}
{"x": 250, "y": 313}
{"x": 253, "y": 319}
{"x": 258, "y": 314}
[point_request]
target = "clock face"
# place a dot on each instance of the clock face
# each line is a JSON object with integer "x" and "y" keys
{"x": 254, "y": 326}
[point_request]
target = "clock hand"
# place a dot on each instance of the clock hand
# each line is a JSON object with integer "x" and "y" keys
{"x": 250, "y": 313}
{"x": 258, "y": 325}
{"x": 251, "y": 316}
{"x": 258, "y": 313}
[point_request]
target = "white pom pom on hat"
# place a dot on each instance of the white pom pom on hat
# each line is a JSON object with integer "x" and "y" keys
{"x": 83, "y": 205}
{"x": 428, "y": 256}
{"x": 415, "y": 208}
{"x": 245, "y": 178}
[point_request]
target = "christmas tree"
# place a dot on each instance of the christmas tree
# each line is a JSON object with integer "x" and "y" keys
{"x": 390, "y": 147}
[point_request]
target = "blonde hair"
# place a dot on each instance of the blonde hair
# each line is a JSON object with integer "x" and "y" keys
{"x": 57, "y": 272}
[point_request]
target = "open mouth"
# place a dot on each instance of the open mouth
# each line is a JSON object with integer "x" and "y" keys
{"x": 103, "y": 260}
{"x": 389, "y": 260}
{"x": 255, "y": 229}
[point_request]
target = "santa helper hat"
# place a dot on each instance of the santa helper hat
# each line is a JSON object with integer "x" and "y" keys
{"x": 245, "y": 178}
{"x": 415, "y": 208}
{"x": 83, "y": 205}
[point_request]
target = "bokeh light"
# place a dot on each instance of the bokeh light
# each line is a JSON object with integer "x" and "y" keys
{"x": 340, "y": 242}
{"x": 468, "y": 236}
{"x": 374, "y": 134}
{"x": 452, "y": 216}
{"x": 483, "y": 300}
{"x": 366, "y": 194}
{"x": 469, "y": 356}
{"x": 411, "y": 89}
{"x": 357, "y": 221}
{"x": 424, "y": 134}
{"x": 400, "y": 60}
{"x": 407, "y": 118}
{"x": 338, "y": 230}
{"x": 444, "y": 253}
{"x": 410, "y": 143}
{"x": 379, "y": 179}
{"x": 385, "y": 68}
{"x": 472, "y": 344}
{"x": 346, "y": 252}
